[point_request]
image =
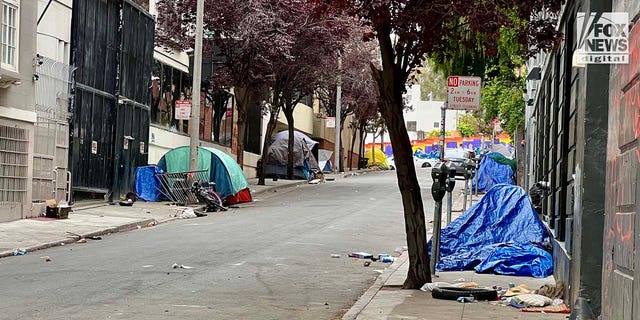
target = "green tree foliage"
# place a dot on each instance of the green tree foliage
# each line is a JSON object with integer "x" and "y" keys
{"x": 432, "y": 81}
{"x": 433, "y": 133}
{"x": 503, "y": 100}
{"x": 436, "y": 133}
{"x": 474, "y": 123}
{"x": 502, "y": 85}
{"x": 465, "y": 128}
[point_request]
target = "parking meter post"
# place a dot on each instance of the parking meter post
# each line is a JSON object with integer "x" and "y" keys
{"x": 435, "y": 239}
{"x": 451, "y": 183}
{"x": 449, "y": 204}
{"x": 466, "y": 186}
{"x": 469, "y": 173}
{"x": 439, "y": 173}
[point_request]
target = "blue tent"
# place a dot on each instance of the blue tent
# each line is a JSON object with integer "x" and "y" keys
{"x": 501, "y": 233}
{"x": 491, "y": 172}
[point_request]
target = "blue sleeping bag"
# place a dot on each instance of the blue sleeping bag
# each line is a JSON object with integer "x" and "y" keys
{"x": 501, "y": 234}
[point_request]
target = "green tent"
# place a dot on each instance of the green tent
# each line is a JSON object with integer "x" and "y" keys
{"x": 221, "y": 169}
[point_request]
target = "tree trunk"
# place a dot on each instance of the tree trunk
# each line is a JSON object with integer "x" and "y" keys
{"x": 220, "y": 101}
{"x": 341, "y": 160}
{"x": 353, "y": 142}
{"x": 363, "y": 137}
{"x": 271, "y": 126}
{"x": 390, "y": 87}
{"x": 289, "y": 116}
{"x": 244, "y": 98}
{"x": 242, "y": 118}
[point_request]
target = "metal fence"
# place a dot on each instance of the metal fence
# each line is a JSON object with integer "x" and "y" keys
{"x": 177, "y": 186}
{"x": 51, "y": 149}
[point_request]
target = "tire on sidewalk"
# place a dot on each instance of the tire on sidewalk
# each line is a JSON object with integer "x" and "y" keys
{"x": 453, "y": 293}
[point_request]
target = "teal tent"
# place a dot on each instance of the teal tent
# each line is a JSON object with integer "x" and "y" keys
{"x": 221, "y": 169}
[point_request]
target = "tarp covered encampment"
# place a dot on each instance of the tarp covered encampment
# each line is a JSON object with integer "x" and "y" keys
{"x": 494, "y": 169}
{"x": 501, "y": 234}
{"x": 148, "y": 185}
{"x": 303, "y": 159}
{"x": 501, "y": 149}
{"x": 380, "y": 158}
{"x": 222, "y": 169}
{"x": 324, "y": 160}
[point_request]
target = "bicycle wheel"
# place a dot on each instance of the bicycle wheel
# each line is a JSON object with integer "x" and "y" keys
{"x": 216, "y": 201}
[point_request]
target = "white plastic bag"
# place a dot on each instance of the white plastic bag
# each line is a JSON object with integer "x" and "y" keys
{"x": 430, "y": 286}
{"x": 186, "y": 213}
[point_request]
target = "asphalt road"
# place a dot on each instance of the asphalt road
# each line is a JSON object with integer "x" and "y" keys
{"x": 269, "y": 260}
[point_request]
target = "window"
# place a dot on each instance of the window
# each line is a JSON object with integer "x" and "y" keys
{"x": 10, "y": 23}
{"x": 436, "y": 125}
{"x": 411, "y": 125}
{"x": 169, "y": 85}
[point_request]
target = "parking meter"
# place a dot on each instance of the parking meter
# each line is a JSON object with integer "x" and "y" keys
{"x": 440, "y": 174}
{"x": 451, "y": 181}
{"x": 470, "y": 169}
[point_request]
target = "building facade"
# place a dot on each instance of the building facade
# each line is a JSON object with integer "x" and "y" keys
{"x": 582, "y": 138}
{"x": 51, "y": 176}
{"x": 17, "y": 106}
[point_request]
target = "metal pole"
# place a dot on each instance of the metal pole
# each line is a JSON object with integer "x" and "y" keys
{"x": 443, "y": 115}
{"x": 435, "y": 244}
{"x": 449, "y": 205}
{"x": 195, "y": 94}
{"x": 464, "y": 203}
{"x": 336, "y": 166}
{"x": 437, "y": 213}
{"x": 471, "y": 196}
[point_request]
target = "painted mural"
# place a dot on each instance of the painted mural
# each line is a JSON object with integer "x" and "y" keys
{"x": 430, "y": 147}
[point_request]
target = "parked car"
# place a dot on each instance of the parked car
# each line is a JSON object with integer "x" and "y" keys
{"x": 418, "y": 162}
{"x": 424, "y": 163}
{"x": 457, "y": 158}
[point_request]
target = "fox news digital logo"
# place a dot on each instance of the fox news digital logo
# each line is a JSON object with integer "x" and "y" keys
{"x": 603, "y": 38}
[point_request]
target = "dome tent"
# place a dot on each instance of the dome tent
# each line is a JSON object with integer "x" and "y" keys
{"x": 222, "y": 169}
{"x": 377, "y": 157}
{"x": 303, "y": 159}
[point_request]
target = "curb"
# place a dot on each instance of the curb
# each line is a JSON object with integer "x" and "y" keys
{"x": 122, "y": 228}
{"x": 370, "y": 294}
{"x": 279, "y": 187}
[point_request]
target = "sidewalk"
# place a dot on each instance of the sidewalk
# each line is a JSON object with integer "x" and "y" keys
{"x": 387, "y": 300}
{"x": 94, "y": 220}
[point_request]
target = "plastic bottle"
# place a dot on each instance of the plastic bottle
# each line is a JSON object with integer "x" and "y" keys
{"x": 466, "y": 299}
{"x": 386, "y": 259}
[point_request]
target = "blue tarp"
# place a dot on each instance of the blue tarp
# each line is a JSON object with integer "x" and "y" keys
{"x": 147, "y": 184}
{"x": 491, "y": 173}
{"x": 501, "y": 233}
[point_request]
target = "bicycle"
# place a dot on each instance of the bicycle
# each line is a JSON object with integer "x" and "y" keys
{"x": 206, "y": 194}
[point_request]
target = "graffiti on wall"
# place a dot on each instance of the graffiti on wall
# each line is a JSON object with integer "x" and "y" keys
{"x": 429, "y": 148}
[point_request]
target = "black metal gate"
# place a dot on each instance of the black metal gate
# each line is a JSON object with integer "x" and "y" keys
{"x": 112, "y": 50}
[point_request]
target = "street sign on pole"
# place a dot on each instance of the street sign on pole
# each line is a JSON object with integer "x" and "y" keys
{"x": 183, "y": 110}
{"x": 463, "y": 93}
{"x": 331, "y": 122}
